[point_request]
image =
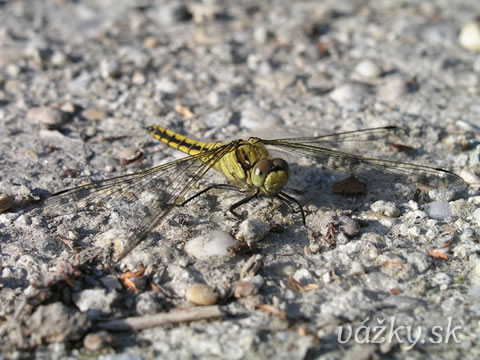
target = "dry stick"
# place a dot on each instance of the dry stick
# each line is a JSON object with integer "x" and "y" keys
{"x": 149, "y": 321}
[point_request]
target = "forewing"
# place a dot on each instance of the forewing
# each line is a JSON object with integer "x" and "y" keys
{"x": 369, "y": 169}
{"x": 141, "y": 200}
{"x": 350, "y": 140}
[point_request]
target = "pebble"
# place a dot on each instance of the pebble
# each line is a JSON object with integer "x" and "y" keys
{"x": 201, "y": 294}
{"x": 393, "y": 88}
{"x": 386, "y": 208}
{"x": 98, "y": 341}
{"x": 214, "y": 244}
{"x": 148, "y": 303}
{"x": 59, "y": 59}
{"x": 95, "y": 301}
{"x": 476, "y": 216}
{"x": 368, "y": 69}
{"x": 442, "y": 194}
{"x": 350, "y": 96}
{"x": 6, "y": 202}
{"x": 244, "y": 289}
{"x": 252, "y": 230}
{"x": 349, "y": 226}
{"x": 475, "y": 274}
{"x": 253, "y": 117}
{"x": 13, "y": 70}
{"x": 420, "y": 260}
{"x": 442, "y": 279}
{"x": 110, "y": 69}
{"x": 93, "y": 114}
{"x": 166, "y": 86}
{"x": 46, "y": 116}
{"x": 58, "y": 323}
{"x": 462, "y": 208}
{"x": 356, "y": 268}
{"x": 438, "y": 210}
{"x": 469, "y": 36}
{"x": 111, "y": 282}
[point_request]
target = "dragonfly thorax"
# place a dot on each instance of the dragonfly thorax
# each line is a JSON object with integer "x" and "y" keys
{"x": 270, "y": 175}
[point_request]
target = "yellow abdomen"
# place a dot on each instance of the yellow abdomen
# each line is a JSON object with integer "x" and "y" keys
{"x": 237, "y": 160}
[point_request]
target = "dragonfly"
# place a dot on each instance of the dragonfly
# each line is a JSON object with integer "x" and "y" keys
{"x": 150, "y": 195}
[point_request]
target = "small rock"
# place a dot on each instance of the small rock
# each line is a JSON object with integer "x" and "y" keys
{"x": 150, "y": 42}
{"x": 349, "y": 226}
{"x": 476, "y": 216}
{"x": 166, "y": 86}
{"x": 442, "y": 194}
{"x": 93, "y": 114}
{"x": 150, "y": 303}
{"x": 55, "y": 323}
{"x": 98, "y": 341}
{"x": 438, "y": 210}
{"x": 253, "y": 117}
{"x": 420, "y": 260}
{"x": 6, "y": 202}
{"x": 475, "y": 274}
{"x": 110, "y": 69}
{"x": 97, "y": 301}
{"x": 469, "y": 36}
{"x": 244, "y": 289}
{"x": 252, "y": 230}
{"x": 368, "y": 69}
{"x": 215, "y": 244}
{"x": 201, "y": 294}
{"x": 276, "y": 82}
{"x": 356, "y": 268}
{"x": 442, "y": 279}
{"x": 350, "y": 96}
{"x": 13, "y": 70}
{"x": 49, "y": 117}
{"x": 393, "y": 88}
{"x": 58, "y": 59}
{"x": 111, "y": 282}
{"x": 386, "y": 208}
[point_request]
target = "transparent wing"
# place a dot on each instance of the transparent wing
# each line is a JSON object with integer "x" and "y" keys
{"x": 370, "y": 169}
{"x": 350, "y": 139}
{"x": 142, "y": 199}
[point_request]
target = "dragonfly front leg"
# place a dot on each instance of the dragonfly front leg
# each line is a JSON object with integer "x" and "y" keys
{"x": 243, "y": 201}
{"x": 215, "y": 186}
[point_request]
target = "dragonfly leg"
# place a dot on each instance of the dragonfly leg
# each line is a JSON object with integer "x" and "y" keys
{"x": 288, "y": 200}
{"x": 243, "y": 201}
{"x": 215, "y": 186}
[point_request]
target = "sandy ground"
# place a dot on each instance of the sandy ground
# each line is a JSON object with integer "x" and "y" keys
{"x": 392, "y": 271}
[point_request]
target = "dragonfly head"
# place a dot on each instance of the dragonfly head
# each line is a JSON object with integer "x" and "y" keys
{"x": 270, "y": 175}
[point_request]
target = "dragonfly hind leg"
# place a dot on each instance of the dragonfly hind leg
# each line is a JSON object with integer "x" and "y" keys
{"x": 288, "y": 200}
{"x": 211, "y": 187}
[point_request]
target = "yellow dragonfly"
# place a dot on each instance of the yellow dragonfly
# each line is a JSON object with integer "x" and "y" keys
{"x": 150, "y": 195}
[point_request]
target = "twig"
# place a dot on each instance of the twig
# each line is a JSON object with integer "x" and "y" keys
{"x": 149, "y": 321}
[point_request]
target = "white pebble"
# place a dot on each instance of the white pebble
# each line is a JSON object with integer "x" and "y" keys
{"x": 252, "y": 230}
{"x": 386, "y": 208}
{"x": 469, "y": 36}
{"x": 214, "y": 244}
{"x": 350, "y": 96}
{"x": 476, "y": 216}
{"x": 356, "y": 268}
{"x": 368, "y": 69}
{"x": 438, "y": 210}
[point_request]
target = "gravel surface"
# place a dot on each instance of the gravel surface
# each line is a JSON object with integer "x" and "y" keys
{"x": 392, "y": 271}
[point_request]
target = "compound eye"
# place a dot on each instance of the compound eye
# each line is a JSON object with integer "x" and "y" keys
{"x": 260, "y": 171}
{"x": 279, "y": 164}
